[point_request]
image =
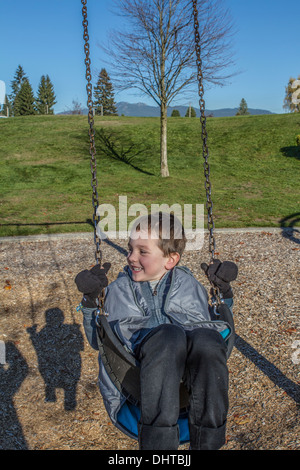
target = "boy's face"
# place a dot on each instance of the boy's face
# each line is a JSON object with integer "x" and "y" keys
{"x": 146, "y": 260}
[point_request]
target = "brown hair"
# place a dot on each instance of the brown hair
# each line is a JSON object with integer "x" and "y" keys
{"x": 166, "y": 228}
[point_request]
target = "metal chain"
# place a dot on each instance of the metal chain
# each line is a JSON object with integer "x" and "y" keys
{"x": 209, "y": 204}
{"x": 216, "y": 295}
{"x": 94, "y": 182}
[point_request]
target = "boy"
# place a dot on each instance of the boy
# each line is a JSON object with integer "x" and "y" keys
{"x": 160, "y": 313}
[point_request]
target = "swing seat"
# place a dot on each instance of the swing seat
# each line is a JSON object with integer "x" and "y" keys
{"x": 124, "y": 371}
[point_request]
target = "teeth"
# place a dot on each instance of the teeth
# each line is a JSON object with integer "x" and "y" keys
{"x": 136, "y": 269}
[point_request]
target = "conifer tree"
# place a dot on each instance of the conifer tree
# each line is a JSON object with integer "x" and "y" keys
{"x": 25, "y": 101}
{"x": 243, "y": 108}
{"x": 16, "y": 87}
{"x": 104, "y": 96}
{"x": 190, "y": 112}
{"x": 46, "y": 97}
{"x": 7, "y": 108}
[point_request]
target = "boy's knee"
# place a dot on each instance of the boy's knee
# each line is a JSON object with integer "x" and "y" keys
{"x": 172, "y": 333}
{"x": 206, "y": 342}
{"x": 173, "y": 337}
{"x": 167, "y": 339}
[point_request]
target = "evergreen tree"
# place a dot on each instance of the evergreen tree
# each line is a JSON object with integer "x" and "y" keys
{"x": 25, "y": 101}
{"x": 190, "y": 112}
{"x": 104, "y": 96}
{"x": 7, "y": 108}
{"x": 175, "y": 113}
{"x": 46, "y": 97}
{"x": 292, "y": 96}
{"x": 16, "y": 84}
{"x": 243, "y": 108}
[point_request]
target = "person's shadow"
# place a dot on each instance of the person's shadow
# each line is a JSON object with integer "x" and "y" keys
{"x": 58, "y": 347}
{"x": 12, "y": 373}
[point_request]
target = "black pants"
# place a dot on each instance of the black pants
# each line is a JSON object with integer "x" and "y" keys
{"x": 198, "y": 357}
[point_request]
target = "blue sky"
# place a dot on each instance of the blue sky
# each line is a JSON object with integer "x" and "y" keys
{"x": 45, "y": 37}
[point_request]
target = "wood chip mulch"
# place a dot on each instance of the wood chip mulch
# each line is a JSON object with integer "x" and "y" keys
{"x": 49, "y": 397}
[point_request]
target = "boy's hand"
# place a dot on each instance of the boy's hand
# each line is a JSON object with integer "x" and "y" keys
{"x": 221, "y": 274}
{"x": 91, "y": 282}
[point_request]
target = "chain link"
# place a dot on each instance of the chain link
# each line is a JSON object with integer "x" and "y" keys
{"x": 208, "y": 187}
{"x": 89, "y": 88}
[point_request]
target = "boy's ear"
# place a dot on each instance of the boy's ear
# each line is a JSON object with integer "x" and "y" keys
{"x": 173, "y": 259}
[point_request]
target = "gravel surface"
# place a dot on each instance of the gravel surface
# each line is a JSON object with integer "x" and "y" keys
{"x": 49, "y": 396}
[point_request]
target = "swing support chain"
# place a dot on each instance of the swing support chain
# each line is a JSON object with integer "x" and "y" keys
{"x": 93, "y": 163}
{"x": 94, "y": 182}
{"x": 217, "y": 296}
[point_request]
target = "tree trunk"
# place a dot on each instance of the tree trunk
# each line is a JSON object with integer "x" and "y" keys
{"x": 164, "y": 171}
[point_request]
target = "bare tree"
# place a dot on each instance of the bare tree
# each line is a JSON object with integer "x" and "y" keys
{"x": 292, "y": 96}
{"x": 76, "y": 107}
{"x": 156, "y": 56}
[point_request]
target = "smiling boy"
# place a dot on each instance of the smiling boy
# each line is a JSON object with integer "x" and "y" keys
{"x": 146, "y": 262}
{"x": 160, "y": 313}
{"x": 151, "y": 253}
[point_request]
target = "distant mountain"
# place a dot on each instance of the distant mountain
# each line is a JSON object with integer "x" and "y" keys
{"x": 144, "y": 110}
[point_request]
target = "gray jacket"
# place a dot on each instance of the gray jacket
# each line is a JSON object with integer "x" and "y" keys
{"x": 185, "y": 304}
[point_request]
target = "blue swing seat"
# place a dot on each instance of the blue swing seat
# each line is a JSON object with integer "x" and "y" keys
{"x": 126, "y": 378}
{"x": 129, "y": 417}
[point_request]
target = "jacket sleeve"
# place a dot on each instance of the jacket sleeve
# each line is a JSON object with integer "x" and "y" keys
{"x": 89, "y": 324}
{"x": 229, "y": 303}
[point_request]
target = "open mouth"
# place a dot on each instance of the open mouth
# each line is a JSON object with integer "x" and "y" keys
{"x": 135, "y": 269}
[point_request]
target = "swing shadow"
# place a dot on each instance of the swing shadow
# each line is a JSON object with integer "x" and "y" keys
{"x": 270, "y": 370}
{"x": 12, "y": 374}
{"x": 289, "y": 231}
{"x": 118, "y": 248}
{"x": 58, "y": 346}
{"x": 47, "y": 224}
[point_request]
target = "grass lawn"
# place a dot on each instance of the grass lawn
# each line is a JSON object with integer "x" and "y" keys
{"x": 45, "y": 170}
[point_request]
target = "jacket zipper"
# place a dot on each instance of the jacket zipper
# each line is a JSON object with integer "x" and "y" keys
{"x": 166, "y": 304}
{"x": 134, "y": 296}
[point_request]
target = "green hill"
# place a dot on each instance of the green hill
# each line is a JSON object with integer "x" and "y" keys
{"x": 45, "y": 170}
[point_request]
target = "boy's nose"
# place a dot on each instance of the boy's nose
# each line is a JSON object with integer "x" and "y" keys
{"x": 131, "y": 257}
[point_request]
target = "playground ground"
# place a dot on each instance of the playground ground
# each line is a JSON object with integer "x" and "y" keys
{"x": 49, "y": 397}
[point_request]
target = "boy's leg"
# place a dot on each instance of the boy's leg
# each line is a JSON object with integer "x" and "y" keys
{"x": 162, "y": 356}
{"x": 207, "y": 382}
